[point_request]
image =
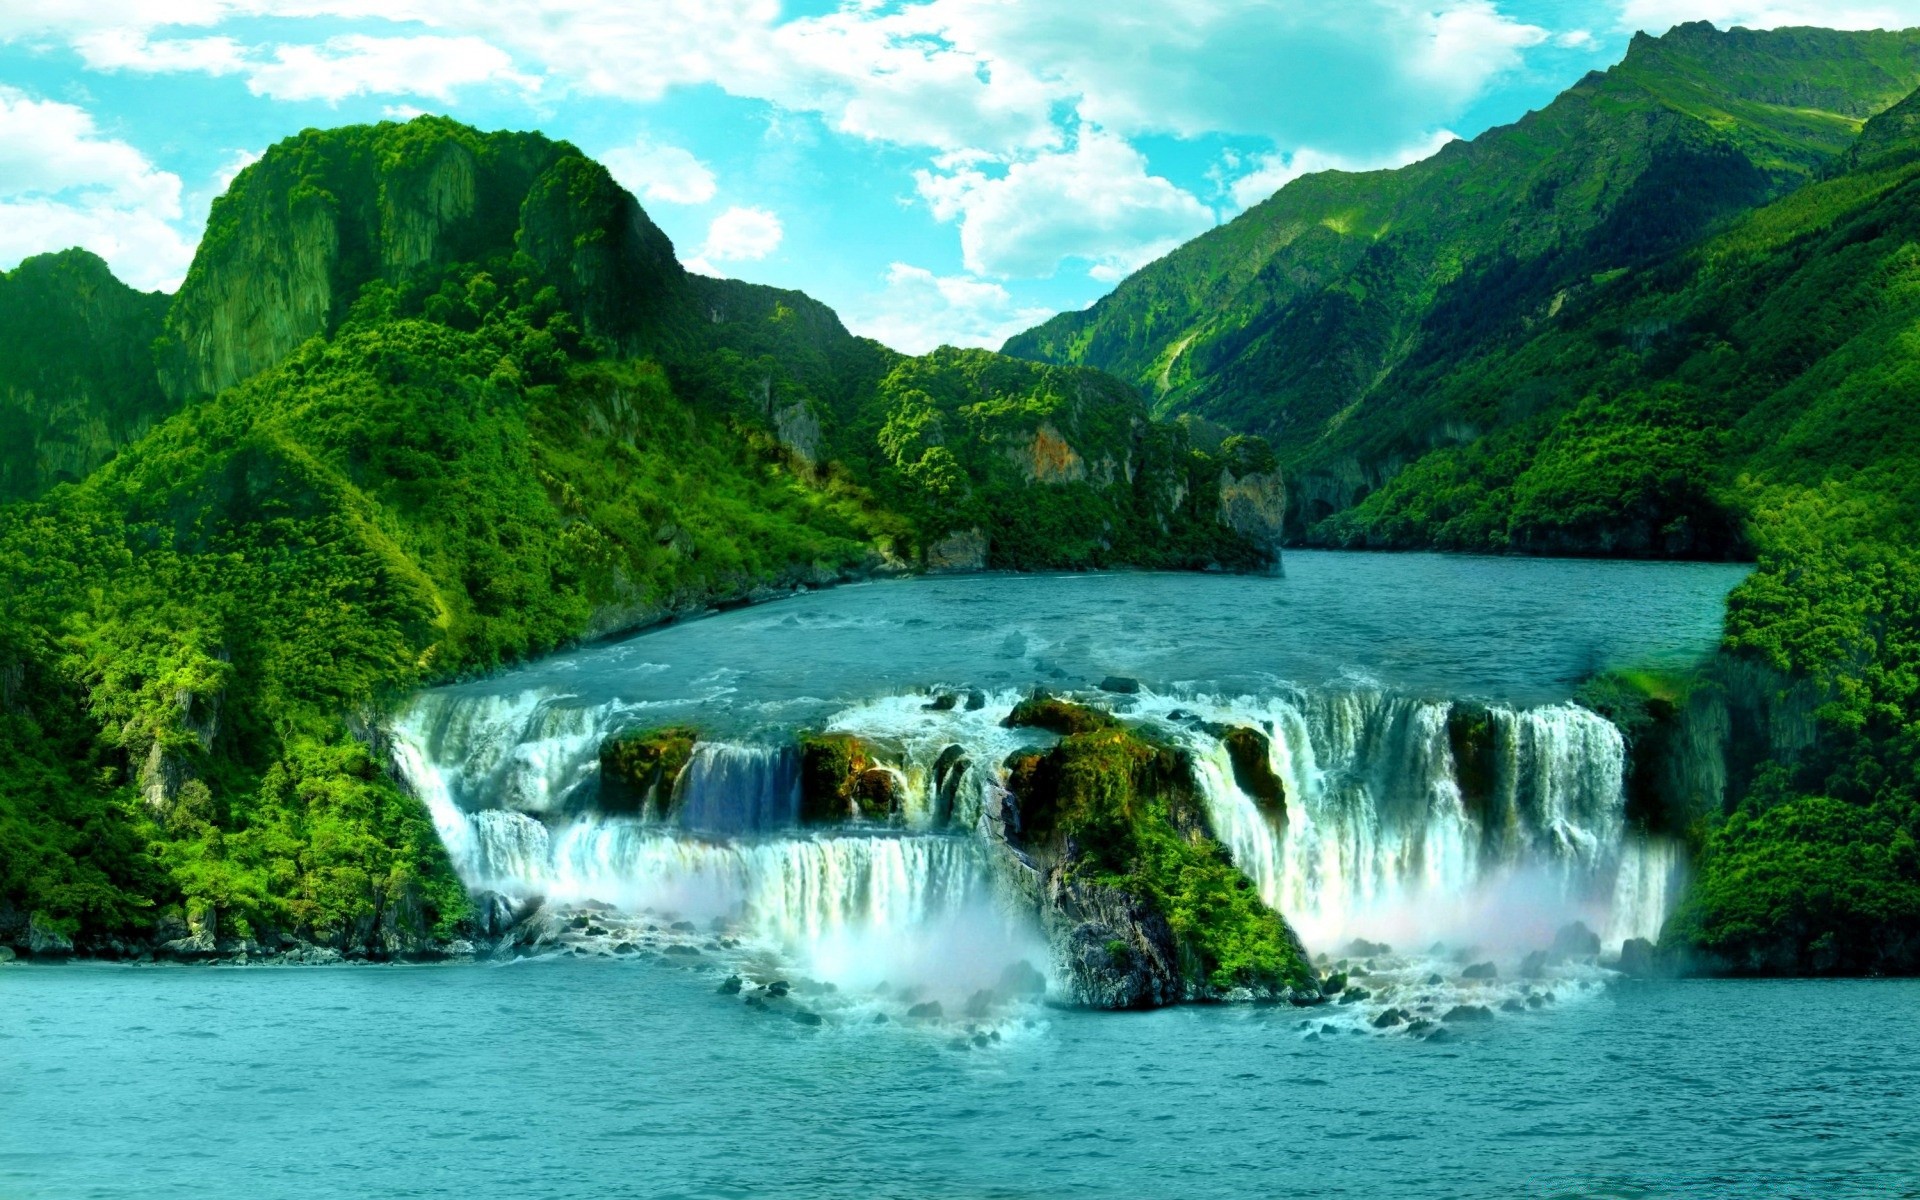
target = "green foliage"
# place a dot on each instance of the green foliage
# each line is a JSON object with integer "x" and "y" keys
{"x": 641, "y": 766}
{"x": 76, "y": 372}
{"x": 1059, "y": 716}
{"x": 1126, "y": 813}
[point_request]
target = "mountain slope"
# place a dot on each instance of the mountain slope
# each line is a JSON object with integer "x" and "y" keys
{"x": 1284, "y": 320}
{"x": 76, "y": 369}
{"x": 441, "y": 400}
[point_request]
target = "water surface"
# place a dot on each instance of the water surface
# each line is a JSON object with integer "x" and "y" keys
{"x": 548, "y": 1079}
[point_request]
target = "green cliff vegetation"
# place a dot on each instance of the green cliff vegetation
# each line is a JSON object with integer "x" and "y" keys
{"x": 76, "y": 369}
{"x": 431, "y": 401}
{"x": 1119, "y": 812}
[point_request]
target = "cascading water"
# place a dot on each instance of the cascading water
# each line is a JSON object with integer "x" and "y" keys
{"x": 1394, "y": 828}
{"x": 1387, "y": 835}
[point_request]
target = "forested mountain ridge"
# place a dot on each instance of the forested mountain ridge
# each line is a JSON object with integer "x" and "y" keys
{"x": 441, "y": 400}
{"x": 1289, "y": 320}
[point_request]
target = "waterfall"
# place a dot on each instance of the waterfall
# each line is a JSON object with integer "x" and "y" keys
{"x": 1407, "y": 820}
{"x": 1382, "y": 840}
{"x": 728, "y": 789}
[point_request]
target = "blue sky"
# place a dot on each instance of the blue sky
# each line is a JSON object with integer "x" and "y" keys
{"x": 937, "y": 170}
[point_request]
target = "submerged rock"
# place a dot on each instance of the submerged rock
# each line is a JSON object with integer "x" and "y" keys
{"x": 1388, "y": 1018}
{"x": 1120, "y": 685}
{"x": 730, "y": 986}
{"x": 1465, "y": 1014}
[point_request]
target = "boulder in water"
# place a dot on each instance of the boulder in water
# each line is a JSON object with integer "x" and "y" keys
{"x": 801, "y": 1016}
{"x": 1388, "y": 1018}
{"x": 1467, "y": 1014}
{"x": 1480, "y": 971}
{"x": 928, "y": 1010}
{"x": 841, "y": 777}
{"x": 976, "y": 700}
{"x": 1249, "y": 751}
{"x": 1362, "y": 948}
{"x": 730, "y": 986}
{"x": 948, "y": 772}
{"x": 1064, "y": 717}
{"x": 1534, "y": 965}
{"x": 1353, "y": 995}
{"x": 1120, "y": 685}
{"x": 1513, "y": 1006}
{"x": 639, "y": 768}
{"x": 1475, "y": 743}
{"x": 1638, "y": 957}
{"x": 1576, "y": 941}
{"x": 943, "y": 702}
{"x": 46, "y": 940}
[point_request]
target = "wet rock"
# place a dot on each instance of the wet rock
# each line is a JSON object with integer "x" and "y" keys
{"x": 639, "y": 768}
{"x": 1419, "y": 1025}
{"x": 1576, "y": 941}
{"x": 730, "y": 986}
{"x": 1335, "y": 983}
{"x": 927, "y": 1011}
{"x": 682, "y": 951}
{"x": 1434, "y": 979}
{"x": 801, "y": 1016}
{"x": 1534, "y": 1001}
{"x": 625, "y": 948}
{"x": 779, "y": 988}
{"x": 1639, "y": 958}
{"x": 1438, "y": 1034}
{"x": 1534, "y": 965}
{"x": 1468, "y": 1014}
{"x": 684, "y": 927}
{"x": 1249, "y": 752}
{"x": 1388, "y": 1018}
{"x": 976, "y": 700}
{"x": 7, "y": 955}
{"x": 1120, "y": 685}
{"x": 1362, "y": 948}
{"x": 1513, "y": 1006}
{"x": 841, "y": 778}
{"x": 1481, "y": 971}
{"x": 1355, "y": 994}
{"x": 47, "y": 941}
{"x": 980, "y": 1003}
{"x": 1064, "y": 717}
{"x": 944, "y": 702}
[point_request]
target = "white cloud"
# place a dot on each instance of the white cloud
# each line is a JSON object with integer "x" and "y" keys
{"x": 230, "y": 170}
{"x": 64, "y": 184}
{"x": 1657, "y": 16}
{"x": 1274, "y": 171}
{"x": 1577, "y": 39}
{"x": 355, "y": 64}
{"x": 349, "y": 65}
{"x": 658, "y": 172}
{"x": 1095, "y": 202}
{"x": 920, "y": 310}
{"x": 737, "y": 235}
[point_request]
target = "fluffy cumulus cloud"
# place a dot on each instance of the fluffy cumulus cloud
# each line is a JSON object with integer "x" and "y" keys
{"x": 737, "y": 235}
{"x": 1271, "y": 172}
{"x": 656, "y": 172}
{"x": 919, "y": 310}
{"x": 1096, "y": 202}
{"x": 62, "y": 183}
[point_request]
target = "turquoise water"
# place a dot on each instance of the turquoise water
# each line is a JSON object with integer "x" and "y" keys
{"x": 610, "y": 1079}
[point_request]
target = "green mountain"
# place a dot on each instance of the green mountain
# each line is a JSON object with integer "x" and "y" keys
{"x": 76, "y": 369}
{"x": 1296, "y": 317}
{"x": 429, "y": 401}
{"x": 1672, "y": 314}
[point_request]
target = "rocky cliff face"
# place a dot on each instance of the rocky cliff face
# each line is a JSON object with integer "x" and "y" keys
{"x": 302, "y": 232}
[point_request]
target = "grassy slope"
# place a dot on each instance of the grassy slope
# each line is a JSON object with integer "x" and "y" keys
{"x": 1282, "y": 321}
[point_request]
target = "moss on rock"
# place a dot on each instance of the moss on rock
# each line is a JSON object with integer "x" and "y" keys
{"x": 640, "y": 767}
{"x": 1059, "y": 716}
{"x": 1117, "y": 813}
{"x": 842, "y": 778}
